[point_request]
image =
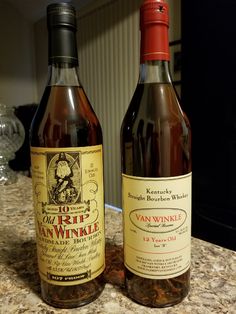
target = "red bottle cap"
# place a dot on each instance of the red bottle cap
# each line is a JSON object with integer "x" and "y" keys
{"x": 154, "y": 23}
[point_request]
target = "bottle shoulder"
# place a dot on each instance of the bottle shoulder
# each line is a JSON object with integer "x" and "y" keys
{"x": 154, "y": 102}
{"x": 65, "y": 112}
{"x": 155, "y": 134}
{"x": 66, "y": 101}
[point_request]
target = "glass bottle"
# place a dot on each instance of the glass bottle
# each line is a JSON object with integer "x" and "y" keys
{"x": 67, "y": 173}
{"x": 156, "y": 174}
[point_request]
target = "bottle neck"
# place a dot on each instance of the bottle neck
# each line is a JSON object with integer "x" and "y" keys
{"x": 154, "y": 49}
{"x": 154, "y": 71}
{"x": 63, "y": 74}
{"x": 154, "y": 43}
{"x": 62, "y": 46}
{"x": 62, "y": 56}
{"x": 154, "y": 24}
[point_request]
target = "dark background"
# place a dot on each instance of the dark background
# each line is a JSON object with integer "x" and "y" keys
{"x": 209, "y": 99}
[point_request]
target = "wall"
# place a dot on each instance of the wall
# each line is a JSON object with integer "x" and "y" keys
{"x": 109, "y": 55}
{"x": 17, "y": 70}
{"x": 41, "y": 55}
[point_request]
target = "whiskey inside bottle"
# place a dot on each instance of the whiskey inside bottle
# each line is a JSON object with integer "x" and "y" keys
{"x": 65, "y": 118}
{"x": 155, "y": 142}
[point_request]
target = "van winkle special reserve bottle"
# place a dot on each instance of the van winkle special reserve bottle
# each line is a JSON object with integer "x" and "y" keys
{"x": 156, "y": 174}
{"x": 67, "y": 172}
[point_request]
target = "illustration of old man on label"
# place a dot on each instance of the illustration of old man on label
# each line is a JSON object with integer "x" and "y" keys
{"x": 64, "y": 191}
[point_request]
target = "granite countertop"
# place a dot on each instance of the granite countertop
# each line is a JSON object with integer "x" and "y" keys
{"x": 213, "y": 276}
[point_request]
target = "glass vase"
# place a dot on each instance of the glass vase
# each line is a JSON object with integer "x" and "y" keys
{"x": 12, "y": 135}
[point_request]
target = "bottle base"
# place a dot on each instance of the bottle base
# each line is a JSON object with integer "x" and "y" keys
{"x": 157, "y": 293}
{"x": 156, "y": 304}
{"x": 68, "y": 297}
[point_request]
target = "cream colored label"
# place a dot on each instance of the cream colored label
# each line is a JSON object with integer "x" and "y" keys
{"x": 157, "y": 225}
{"x": 69, "y": 213}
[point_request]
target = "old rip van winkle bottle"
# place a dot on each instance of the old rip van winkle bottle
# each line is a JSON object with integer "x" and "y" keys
{"x": 67, "y": 172}
{"x": 156, "y": 174}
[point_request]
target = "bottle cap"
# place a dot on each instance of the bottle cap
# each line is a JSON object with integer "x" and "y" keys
{"x": 61, "y": 21}
{"x": 154, "y": 23}
{"x": 154, "y": 11}
{"x": 61, "y": 14}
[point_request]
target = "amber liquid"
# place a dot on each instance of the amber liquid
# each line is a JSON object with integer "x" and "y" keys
{"x": 65, "y": 118}
{"x": 156, "y": 142}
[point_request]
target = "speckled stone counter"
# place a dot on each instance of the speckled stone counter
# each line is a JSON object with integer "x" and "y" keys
{"x": 213, "y": 283}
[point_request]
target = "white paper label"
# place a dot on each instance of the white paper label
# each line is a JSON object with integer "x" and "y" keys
{"x": 157, "y": 225}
